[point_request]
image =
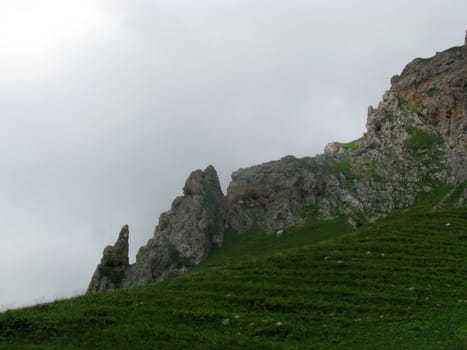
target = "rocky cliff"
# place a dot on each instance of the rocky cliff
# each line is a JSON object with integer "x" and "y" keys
{"x": 185, "y": 236}
{"x": 415, "y": 144}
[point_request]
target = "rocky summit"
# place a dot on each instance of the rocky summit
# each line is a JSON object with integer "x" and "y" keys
{"x": 415, "y": 144}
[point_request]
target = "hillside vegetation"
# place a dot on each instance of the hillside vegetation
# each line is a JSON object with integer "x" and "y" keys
{"x": 366, "y": 248}
{"x": 399, "y": 283}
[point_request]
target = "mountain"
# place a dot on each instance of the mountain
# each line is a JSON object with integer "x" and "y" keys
{"x": 362, "y": 247}
{"x": 415, "y": 145}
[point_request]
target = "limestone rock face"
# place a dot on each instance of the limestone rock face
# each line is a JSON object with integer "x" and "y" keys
{"x": 436, "y": 86}
{"x": 186, "y": 233}
{"x": 196, "y": 221}
{"x": 185, "y": 236}
{"x": 114, "y": 263}
{"x": 415, "y": 143}
{"x": 289, "y": 192}
{"x": 270, "y": 194}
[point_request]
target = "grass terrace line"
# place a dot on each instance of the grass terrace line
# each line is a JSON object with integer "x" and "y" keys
{"x": 399, "y": 283}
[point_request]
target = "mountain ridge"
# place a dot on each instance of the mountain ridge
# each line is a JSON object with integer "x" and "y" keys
{"x": 415, "y": 143}
{"x": 362, "y": 269}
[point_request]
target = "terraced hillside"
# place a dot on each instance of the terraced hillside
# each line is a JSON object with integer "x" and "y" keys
{"x": 399, "y": 283}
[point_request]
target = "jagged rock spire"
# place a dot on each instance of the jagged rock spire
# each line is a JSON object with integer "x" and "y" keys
{"x": 185, "y": 236}
{"x": 114, "y": 263}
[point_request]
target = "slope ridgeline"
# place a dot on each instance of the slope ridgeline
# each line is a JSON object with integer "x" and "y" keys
{"x": 415, "y": 145}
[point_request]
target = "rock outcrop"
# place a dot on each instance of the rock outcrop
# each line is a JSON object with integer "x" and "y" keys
{"x": 415, "y": 143}
{"x": 185, "y": 236}
{"x": 436, "y": 86}
{"x": 113, "y": 266}
{"x": 270, "y": 194}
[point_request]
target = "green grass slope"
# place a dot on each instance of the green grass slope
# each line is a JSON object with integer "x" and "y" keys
{"x": 400, "y": 283}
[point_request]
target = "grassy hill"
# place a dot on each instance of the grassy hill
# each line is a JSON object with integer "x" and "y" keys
{"x": 399, "y": 283}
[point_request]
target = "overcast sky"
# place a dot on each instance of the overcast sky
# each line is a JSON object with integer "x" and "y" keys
{"x": 106, "y": 106}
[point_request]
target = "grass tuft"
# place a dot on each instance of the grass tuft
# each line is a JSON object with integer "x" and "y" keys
{"x": 420, "y": 140}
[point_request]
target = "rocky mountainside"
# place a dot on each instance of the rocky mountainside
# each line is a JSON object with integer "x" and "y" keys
{"x": 415, "y": 144}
